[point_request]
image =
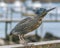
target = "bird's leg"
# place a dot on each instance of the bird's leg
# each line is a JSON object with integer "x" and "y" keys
{"x": 10, "y": 39}
{"x": 21, "y": 38}
{"x": 24, "y": 41}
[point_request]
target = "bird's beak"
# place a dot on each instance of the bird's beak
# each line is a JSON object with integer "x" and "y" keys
{"x": 51, "y": 9}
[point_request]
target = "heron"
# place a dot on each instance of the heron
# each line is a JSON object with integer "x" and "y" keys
{"x": 30, "y": 24}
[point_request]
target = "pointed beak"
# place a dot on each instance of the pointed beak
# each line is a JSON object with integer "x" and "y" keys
{"x": 51, "y": 9}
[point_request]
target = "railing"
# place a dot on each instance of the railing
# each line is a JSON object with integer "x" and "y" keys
{"x": 9, "y": 20}
{"x": 44, "y": 44}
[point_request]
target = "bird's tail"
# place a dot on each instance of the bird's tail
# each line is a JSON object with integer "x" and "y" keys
{"x": 10, "y": 33}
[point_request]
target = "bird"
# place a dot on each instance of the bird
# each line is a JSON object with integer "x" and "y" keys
{"x": 29, "y": 24}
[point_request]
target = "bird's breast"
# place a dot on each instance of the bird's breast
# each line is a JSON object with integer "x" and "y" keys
{"x": 34, "y": 25}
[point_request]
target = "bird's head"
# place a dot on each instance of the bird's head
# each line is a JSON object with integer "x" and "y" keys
{"x": 42, "y": 11}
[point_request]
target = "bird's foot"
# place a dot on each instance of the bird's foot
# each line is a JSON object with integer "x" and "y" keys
{"x": 26, "y": 44}
{"x": 23, "y": 42}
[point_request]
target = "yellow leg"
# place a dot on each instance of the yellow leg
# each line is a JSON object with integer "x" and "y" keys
{"x": 10, "y": 40}
{"x": 21, "y": 39}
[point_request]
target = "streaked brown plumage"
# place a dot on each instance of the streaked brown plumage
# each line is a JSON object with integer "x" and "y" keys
{"x": 29, "y": 24}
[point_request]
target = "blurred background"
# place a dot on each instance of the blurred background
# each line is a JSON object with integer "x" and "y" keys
{"x": 11, "y": 14}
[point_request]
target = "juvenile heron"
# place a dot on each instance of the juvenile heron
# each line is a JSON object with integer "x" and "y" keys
{"x": 29, "y": 24}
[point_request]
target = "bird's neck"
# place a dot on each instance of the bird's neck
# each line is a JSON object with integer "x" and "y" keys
{"x": 42, "y": 16}
{"x": 38, "y": 17}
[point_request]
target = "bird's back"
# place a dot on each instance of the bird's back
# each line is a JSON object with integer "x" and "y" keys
{"x": 27, "y": 25}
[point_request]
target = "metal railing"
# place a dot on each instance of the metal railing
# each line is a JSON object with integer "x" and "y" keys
{"x": 44, "y": 44}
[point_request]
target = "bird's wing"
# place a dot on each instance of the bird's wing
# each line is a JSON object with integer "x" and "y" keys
{"x": 22, "y": 23}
